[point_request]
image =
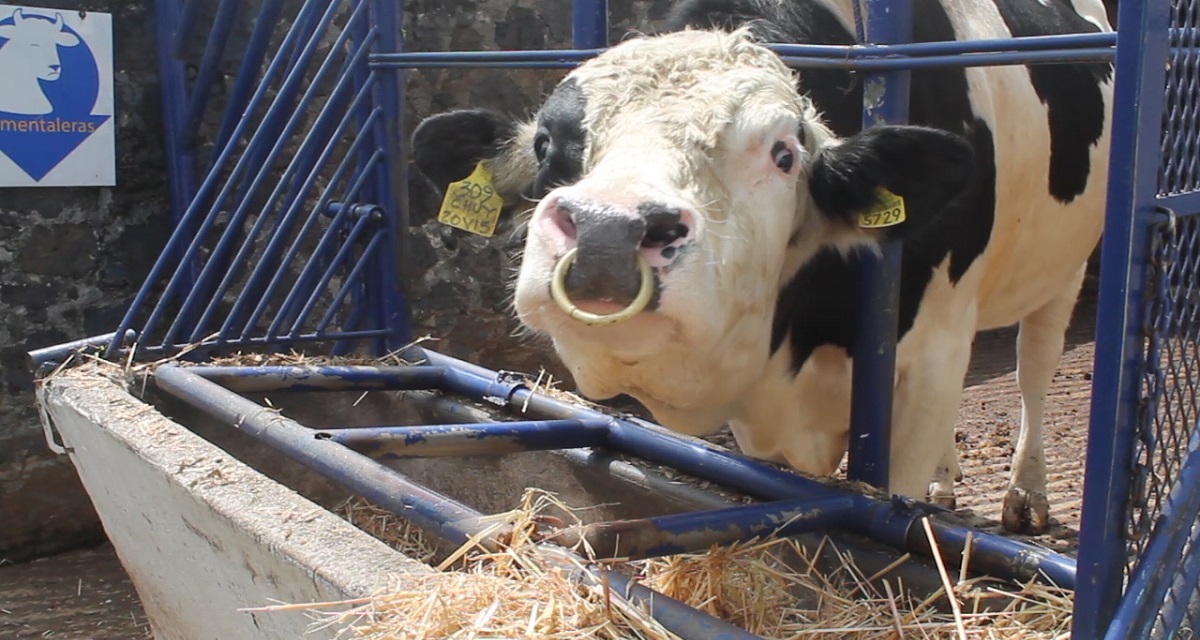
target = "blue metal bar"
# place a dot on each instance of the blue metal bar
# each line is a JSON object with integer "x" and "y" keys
{"x": 699, "y": 530}
{"x": 498, "y": 438}
{"x": 195, "y": 350}
{"x": 263, "y": 174}
{"x": 680, "y": 619}
{"x": 214, "y": 49}
{"x": 564, "y": 59}
{"x": 429, "y": 510}
{"x": 894, "y": 523}
{"x": 258, "y": 167}
{"x": 181, "y": 23}
{"x": 1187, "y": 578}
{"x": 390, "y": 276}
{"x": 181, "y": 168}
{"x": 1132, "y": 184}
{"x": 1097, "y": 41}
{"x": 589, "y": 24}
{"x": 192, "y": 214}
{"x": 277, "y": 272}
{"x": 247, "y": 75}
{"x": 57, "y": 354}
{"x": 878, "y": 276}
{"x": 352, "y": 280}
{"x": 1156, "y": 569}
{"x": 325, "y": 378}
{"x": 331, "y": 231}
{"x": 343, "y": 251}
{"x": 388, "y": 488}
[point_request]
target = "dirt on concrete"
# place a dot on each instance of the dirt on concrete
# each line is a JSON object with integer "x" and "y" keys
{"x": 78, "y": 595}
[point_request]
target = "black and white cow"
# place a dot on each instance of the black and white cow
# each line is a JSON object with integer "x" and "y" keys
{"x": 707, "y": 209}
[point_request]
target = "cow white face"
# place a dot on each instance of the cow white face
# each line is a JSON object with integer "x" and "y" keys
{"x": 681, "y": 180}
{"x": 692, "y": 170}
{"x": 35, "y": 43}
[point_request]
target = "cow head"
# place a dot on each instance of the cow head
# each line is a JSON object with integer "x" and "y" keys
{"x": 36, "y": 43}
{"x": 679, "y": 181}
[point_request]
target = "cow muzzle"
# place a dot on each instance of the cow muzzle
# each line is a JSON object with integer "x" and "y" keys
{"x": 610, "y": 255}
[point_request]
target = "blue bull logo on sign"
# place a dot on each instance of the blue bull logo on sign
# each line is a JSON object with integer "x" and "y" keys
{"x": 49, "y": 87}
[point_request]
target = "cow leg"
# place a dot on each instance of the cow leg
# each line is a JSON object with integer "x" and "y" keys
{"x": 1039, "y": 349}
{"x": 941, "y": 490}
{"x": 928, "y": 393}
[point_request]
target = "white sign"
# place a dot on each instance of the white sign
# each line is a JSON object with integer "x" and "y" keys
{"x": 56, "y": 98}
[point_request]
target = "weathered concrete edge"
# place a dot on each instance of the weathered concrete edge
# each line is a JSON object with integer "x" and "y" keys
{"x": 202, "y": 534}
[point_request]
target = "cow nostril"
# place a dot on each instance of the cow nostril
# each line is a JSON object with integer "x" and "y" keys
{"x": 563, "y": 214}
{"x": 661, "y": 235}
{"x": 664, "y": 224}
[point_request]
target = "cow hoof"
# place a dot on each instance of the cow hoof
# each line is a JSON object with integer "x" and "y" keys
{"x": 946, "y": 501}
{"x": 1026, "y": 511}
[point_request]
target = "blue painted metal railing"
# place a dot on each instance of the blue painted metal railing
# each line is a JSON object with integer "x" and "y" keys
{"x": 309, "y": 129}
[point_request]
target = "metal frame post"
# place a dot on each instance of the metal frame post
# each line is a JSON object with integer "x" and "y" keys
{"x": 1133, "y": 174}
{"x": 878, "y": 277}
{"x": 392, "y": 183}
{"x": 589, "y": 24}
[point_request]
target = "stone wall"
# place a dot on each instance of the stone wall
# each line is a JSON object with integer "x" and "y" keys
{"x": 70, "y": 260}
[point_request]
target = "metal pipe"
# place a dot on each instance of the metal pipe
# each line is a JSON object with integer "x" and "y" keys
{"x": 589, "y": 24}
{"x": 386, "y": 487}
{"x": 325, "y": 378}
{"x": 206, "y": 73}
{"x": 247, "y": 75}
{"x": 896, "y": 523}
{"x": 55, "y": 355}
{"x": 566, "y": 58}
{"x": 1156, "y": 569}
{"x": 1135, "y": 157}
{"x": 641, "y": 538}
{"x": 194, "y": 213}
{"x": 497, "y": 438}
{"x": 426, "y": 509}
{"x": 878, "y": 275}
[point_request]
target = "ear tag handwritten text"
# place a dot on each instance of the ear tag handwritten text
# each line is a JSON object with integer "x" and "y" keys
{"x": 888, "y": 213}
{"x": 472, "y": 204}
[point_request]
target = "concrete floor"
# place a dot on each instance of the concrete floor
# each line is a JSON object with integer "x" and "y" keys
{"x": 79, "y": 595}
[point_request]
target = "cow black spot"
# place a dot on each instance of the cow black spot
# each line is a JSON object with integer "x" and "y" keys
{"x": 817, "y": 307}
{"x": 1071, "y": 92}
{"x": 560, "y": 139}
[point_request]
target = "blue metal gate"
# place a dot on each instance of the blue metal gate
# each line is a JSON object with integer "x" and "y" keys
{"x": 1141, "y": 517}
{"x": 289, "y": 201}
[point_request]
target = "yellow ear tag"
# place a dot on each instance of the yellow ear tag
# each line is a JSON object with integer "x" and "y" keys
{"x": 889, "y": 212}
{"x": 472, "y": 204}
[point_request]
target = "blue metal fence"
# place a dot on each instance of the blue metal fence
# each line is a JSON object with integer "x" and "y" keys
{"x": 289, "y": 230}
{"x": 1142, "y": 491}
{"x": 289, "y": 203}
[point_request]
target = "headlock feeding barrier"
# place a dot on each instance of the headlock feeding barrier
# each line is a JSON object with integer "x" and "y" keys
{"x": 290, "y": 224}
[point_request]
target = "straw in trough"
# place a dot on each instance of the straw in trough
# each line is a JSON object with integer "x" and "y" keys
{"x": 771, "y": 587}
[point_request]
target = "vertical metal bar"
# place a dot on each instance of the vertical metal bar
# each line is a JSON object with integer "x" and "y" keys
{"x": 207, "y": 71}
{"x": 1132, "y": 183}
{"x": 878, "y": 276}
{"x": 247, "y": 77}
{"x": 589, "y": 24}
{"x": 195, "y": 208}
{"x": 181, "y": 168}
{"x": 390, "y": 279}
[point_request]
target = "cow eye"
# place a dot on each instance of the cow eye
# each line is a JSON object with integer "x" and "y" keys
{"x": 782, "y": 156}
{"x": 540, "y": 143}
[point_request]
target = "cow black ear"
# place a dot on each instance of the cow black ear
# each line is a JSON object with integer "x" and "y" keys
{"x": 447, "y": 146}
{"x": 891, "y": 178}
